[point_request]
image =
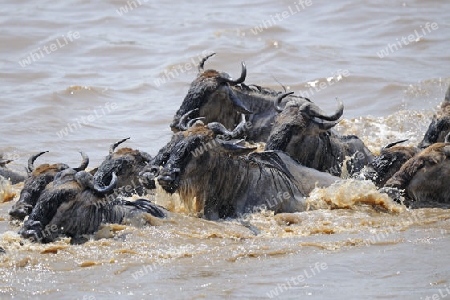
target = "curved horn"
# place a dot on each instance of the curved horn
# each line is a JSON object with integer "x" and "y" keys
{"x": 112, "y": 185}
{"x": 219, "y": 129}
{"x": 84, "y": 162}
{"x": 278, "y": 100}
{"x": 447, "y": 95}
{"x": 323, "y": 126}
{"x": 114, "y": 146}
{"x": 87, "y": 180}
{"x": 191, "y": 122}
{"x": 240, "y": 79}
{"x": 202, "y": 62}
{"x": 315, "y": 111}
{"x": 390, "y": 145}
{"x": 32, "y": 159}
{"x": 183, "y": 119}
{"x": 239, "y": 128}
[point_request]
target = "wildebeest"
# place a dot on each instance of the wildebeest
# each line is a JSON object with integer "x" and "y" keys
{"x": 13, "y": 176}
{"x": 126, "y": 163}
{"x": 74, "y": 205}
{"x": 38, "y": 178}
{"x": 218, "y": 98}
{"x": 385, "y": 165}
{"x": 424, "y": 177}
{"x": 228, "y": 181}
{"x": 305, "y": 132}
{"x": 440, "y": 124}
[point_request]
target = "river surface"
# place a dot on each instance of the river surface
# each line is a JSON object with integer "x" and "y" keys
{"x": 79, "y": 75}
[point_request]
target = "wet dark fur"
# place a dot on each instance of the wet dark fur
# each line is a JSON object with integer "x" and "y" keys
{"x": 424, "y": 177}
{"x": 228, "y": 182}
{"x": 33, "y": 187}
{"x": 127, "y": 163}
{"x": 75, "y": 210}
{"x": 384, "y": 166}
{"x": 295, "y": 133}
{"x": 440, "y": 124}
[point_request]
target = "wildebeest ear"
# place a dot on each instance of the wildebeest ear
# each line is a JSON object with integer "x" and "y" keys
{"x": 431, "y": 134}
{"x": 240, "y": 107}
{"x": 447, "y": 150}
{"x": 390, "y": 145}
{"x": 447, "y": 95}
{"x": 4, "y": 162}
{"x": 234, "y": 148}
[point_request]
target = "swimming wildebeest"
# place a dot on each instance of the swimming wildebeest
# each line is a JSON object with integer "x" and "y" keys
{"x": 307, "y": 138}
{"x": 305, "y": 132}
{"x": 13, "y": 176}
{"x": 38, "y": 178}
{"x": 385, "y": 165}
{"x": 227, "y": 181}
{"x": 440, "y": 124}
{"x": 126, "y": 163}
{"x": 424, "y": 177}
{"x": 218, "y": 98}
{"x": 75, "y": 206}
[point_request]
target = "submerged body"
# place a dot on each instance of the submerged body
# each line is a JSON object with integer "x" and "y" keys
{"x": 37, "y": 180}
{"x": 439, "y": 127}
{"x": 74, "y": 206}
{"x": 306, "y": 134}
{"x": 385, "y": 165}
{"x": 227, "y": 181}
{"x": 424, "y": 177}
{"x": 126, "y": 163}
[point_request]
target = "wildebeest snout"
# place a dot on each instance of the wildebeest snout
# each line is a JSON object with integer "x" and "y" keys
{"x": 148, "y": 176}
{"x": 169, "y": 179}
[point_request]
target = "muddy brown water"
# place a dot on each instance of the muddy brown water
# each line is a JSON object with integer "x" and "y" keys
{"x": 79, "y": 75}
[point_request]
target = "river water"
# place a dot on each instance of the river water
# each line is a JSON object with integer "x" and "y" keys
{"x": 79, "y": 75}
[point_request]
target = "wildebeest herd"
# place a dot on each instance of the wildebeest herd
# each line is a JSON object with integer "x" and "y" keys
{"x": 235, "y": 148}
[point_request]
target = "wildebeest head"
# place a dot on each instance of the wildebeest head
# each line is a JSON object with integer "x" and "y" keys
{"x": 126, "y": 163}
{"x": 206, "y": 135}
{"x": 212, "y": 95}
{"x": 188, "y": 149}
{"x": 303, "y": 131}
{"x": 297, "y": 120}
{"x": 440, "y": 124}
{"x": 38, "y": 178}
{"x": 13, "y": 176}
{"x": 3, "y": 161}
{"x": 390, "y": 160}
{"x": 422, "y": 179}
